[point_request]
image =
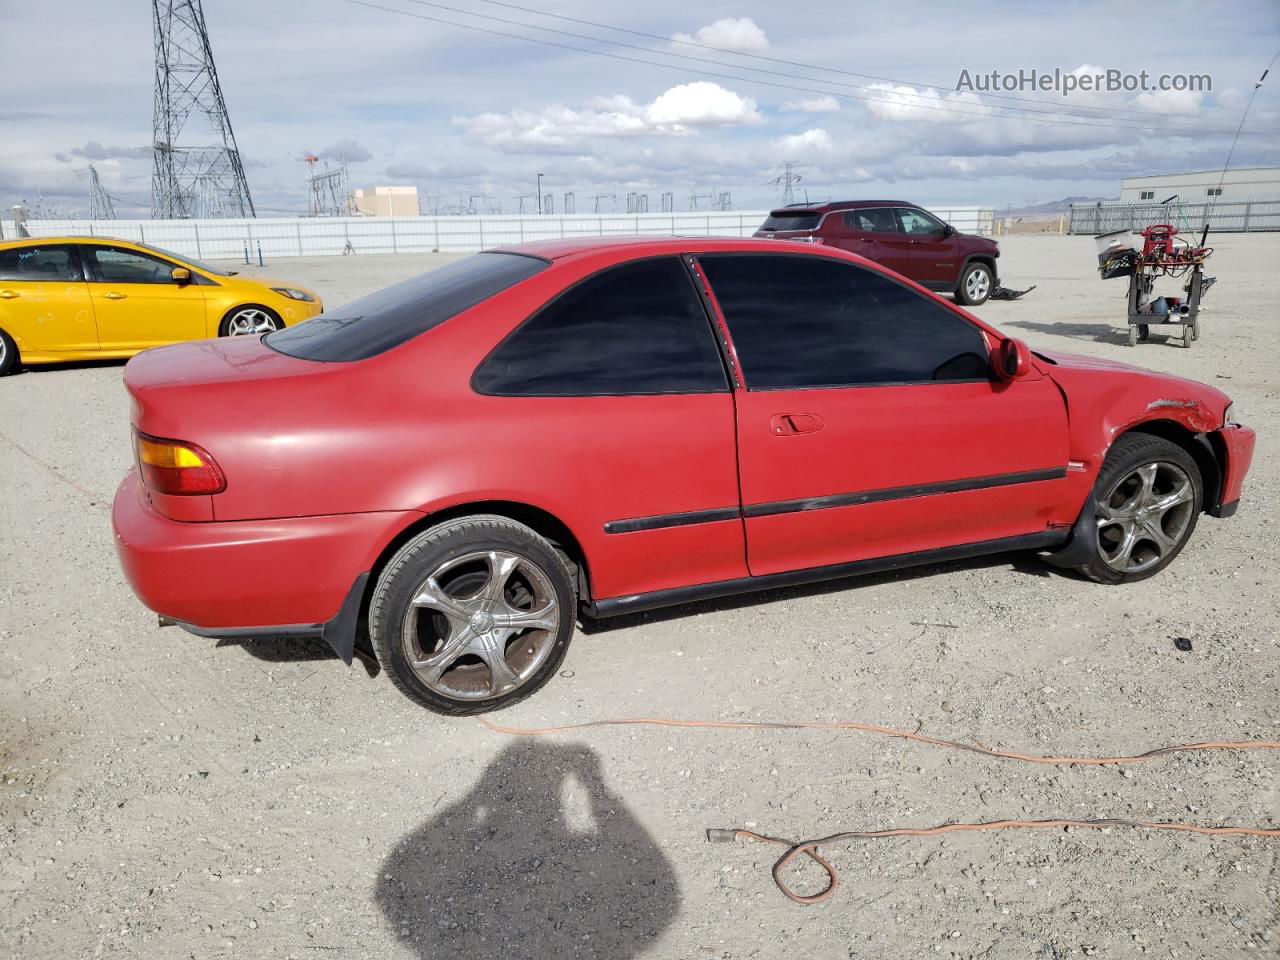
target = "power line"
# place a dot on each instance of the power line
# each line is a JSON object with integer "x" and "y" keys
{"x": 741, "y": 79}
{"x": 792, "y": 63}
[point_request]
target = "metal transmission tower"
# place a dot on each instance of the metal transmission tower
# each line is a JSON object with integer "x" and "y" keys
{"x": 787, "y": 181}
{"x": 327, "y": 192}
{"x": 570, "y": 202}
{"x": 101, "y": 204}
{"x": 189, "y": 181}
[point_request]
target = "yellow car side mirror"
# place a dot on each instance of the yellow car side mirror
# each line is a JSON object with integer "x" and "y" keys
{"x": 180, "y": 275}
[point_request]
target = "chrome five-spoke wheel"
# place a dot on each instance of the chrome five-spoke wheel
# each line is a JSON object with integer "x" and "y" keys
{"x": 473, "y": 614}
{"x": 1144, "y": 516}
{"x": 480, "y": 625}
{"x": 248, "y": 321}
{"x": 1146, "y": 500}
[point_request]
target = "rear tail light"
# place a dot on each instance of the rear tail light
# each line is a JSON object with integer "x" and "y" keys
{"x": 176, "y": 467}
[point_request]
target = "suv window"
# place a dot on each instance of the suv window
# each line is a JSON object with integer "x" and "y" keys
{"x": 918, "y": 222}
{"x": 374, "y": 324}
{"x": 637, "y": 328}
{"x": 805, "y": 321}
{"x": 39, "y": 264}
{"x": 872, "y": 220}
{"x": 789, "y": 220}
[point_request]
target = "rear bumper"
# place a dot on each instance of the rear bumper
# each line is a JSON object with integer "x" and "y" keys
{"x": 248, "y": 577}
{"x": 1238, "y": 442}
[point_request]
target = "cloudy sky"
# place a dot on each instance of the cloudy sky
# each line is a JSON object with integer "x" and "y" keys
{"x": 862, "y": 96}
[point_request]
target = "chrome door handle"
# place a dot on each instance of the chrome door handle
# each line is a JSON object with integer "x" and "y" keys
{"x": 115, "y": 295}
{"x": 9, "y": 294}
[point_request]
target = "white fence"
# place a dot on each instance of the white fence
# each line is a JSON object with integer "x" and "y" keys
{"x": 324, "y": 236}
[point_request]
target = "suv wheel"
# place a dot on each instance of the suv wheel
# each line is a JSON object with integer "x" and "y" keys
{"x": 975, "y": 285}
{"x": 473, "y": 615}
{"x": 1148, "y": 497}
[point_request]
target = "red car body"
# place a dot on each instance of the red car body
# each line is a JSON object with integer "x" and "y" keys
{"x": 330, "y": 466}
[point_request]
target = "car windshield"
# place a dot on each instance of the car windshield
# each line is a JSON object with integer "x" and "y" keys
{"x": 183, "y": 258}
{"x": 374, "y": 324}
{"x": 791, "y": 220}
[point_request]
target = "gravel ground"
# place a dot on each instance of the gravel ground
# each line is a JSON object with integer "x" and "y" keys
{"x": 165, "y": 796}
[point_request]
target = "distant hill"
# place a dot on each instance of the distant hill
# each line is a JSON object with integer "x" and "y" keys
{"x": 1053, "y": 206}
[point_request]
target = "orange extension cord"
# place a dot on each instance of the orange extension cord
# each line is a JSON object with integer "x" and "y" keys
{"x": 810, "y": 847}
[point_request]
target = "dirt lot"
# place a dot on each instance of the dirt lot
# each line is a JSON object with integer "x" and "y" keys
{"x": 165, "y": 796}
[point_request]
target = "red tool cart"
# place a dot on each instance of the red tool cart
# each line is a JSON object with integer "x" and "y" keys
{"x": 1163, "y": 254}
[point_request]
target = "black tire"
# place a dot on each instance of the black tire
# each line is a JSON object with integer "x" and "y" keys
{"x": 224, "y": 328}
{"x": 424, "y": 555}
{"x": 9, "y": 359}
{"x": 963, "y": 296}
{"x": 1131, "y": 452}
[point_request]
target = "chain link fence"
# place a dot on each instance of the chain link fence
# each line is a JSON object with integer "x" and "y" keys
{"x": 1233, "y": 216}
{"x": 323, "y": 236}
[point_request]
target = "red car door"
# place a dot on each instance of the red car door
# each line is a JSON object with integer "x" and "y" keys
{"x": 934, "y": 250}
{"x": 869, "y": 424}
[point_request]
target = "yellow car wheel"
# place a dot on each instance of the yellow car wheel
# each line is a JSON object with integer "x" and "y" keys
{"x": 250, "y": 320}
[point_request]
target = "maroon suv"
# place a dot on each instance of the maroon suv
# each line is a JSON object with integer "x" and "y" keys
{"x": 899, "y": 235}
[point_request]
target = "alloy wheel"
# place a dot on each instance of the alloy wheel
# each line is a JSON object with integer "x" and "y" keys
{"x": 976, "y": 285}
{"x": 250, "y": 321}
{"x": 480, "y": 625}
{"x": 1144, "y": 516}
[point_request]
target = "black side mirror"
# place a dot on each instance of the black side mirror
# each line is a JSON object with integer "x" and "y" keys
{"x": 947, "y": 230}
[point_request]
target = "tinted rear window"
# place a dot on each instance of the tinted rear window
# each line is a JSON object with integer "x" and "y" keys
{"x": 383, "y": 320}
{"x": 785, "y": 220}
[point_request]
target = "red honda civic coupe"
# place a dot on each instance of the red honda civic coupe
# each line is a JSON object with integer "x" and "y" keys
{"x": 444, "y": 473}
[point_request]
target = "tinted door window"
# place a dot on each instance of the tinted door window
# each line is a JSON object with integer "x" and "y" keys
{"x": 638, "y": 328}
{"x": 804, "y": 321}
{"x": 879, "y": 220}
{"x": 113, "y": 265}
{"x": 918, "y": 223}
{"x": 39, "y": 264}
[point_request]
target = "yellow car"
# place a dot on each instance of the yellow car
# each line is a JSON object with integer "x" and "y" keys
{"x": 81, "y": 298}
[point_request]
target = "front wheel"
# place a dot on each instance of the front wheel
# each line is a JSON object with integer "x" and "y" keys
{"x": 250, "y": 320}
{"x": 1147, "y": 498}
{"x": 473, "y": 615}
{"x": 975, "y": 285}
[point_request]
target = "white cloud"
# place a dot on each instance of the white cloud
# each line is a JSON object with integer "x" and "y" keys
{"x": 816, "y": 105}
{"x": 1177, "y": 102}
{"x": 902, "y": 102}
{"x": 813, "y": 139}
{"x": 701, "y": 104}
{"x": 728, "y": 33}
{"x": 561, "y": 129}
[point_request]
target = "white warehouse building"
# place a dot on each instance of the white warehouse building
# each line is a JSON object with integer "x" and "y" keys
{"x": 1254, "y": 183}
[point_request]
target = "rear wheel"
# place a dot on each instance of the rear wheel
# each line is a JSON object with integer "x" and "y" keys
{"x": 1147, "y": 497}
{"x": 250, "y": 320}
{"x": 473, "y": 615}
{"x": 8, "y": 354}
{"x": 975, "y": 285}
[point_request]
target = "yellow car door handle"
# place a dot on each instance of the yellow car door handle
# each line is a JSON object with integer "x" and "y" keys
{"x": 9, "y": 294}
{"x": 115, "y": 295}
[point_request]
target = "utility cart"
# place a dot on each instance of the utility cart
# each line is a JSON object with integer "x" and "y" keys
{"x": 1162, "y": 255}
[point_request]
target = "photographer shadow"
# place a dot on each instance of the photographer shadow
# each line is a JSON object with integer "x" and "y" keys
{"x": 539, "y": 859}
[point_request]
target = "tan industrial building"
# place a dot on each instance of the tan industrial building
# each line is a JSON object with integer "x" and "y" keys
{"x": 386, "y": 201}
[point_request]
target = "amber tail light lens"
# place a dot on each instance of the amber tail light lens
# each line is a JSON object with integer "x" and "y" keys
{"x": 176, "y": 467}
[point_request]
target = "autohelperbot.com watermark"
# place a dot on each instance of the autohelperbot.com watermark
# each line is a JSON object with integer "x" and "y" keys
{"x": 1067, "y": 82}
